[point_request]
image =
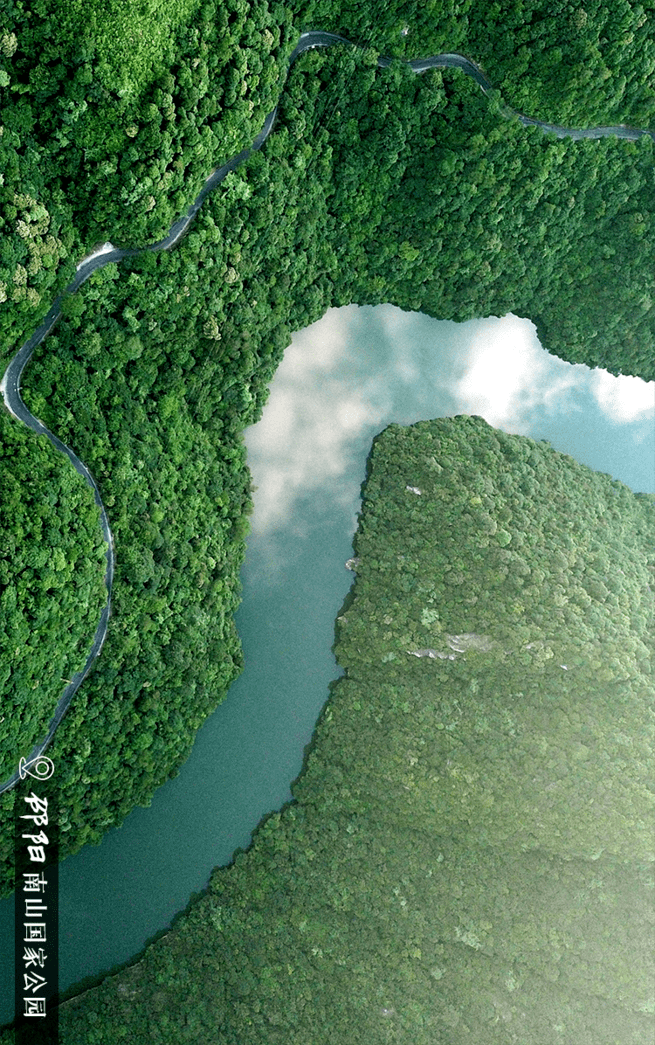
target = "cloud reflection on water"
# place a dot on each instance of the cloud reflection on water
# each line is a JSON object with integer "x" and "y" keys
{"x": 358, "y": 369}
{"x": 624, "y": 399}
{"x": 314, "y": 413}
{"x": 509, "y": 375}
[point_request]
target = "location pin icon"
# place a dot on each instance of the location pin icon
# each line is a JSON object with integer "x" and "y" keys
{"x": 43, "y": 768}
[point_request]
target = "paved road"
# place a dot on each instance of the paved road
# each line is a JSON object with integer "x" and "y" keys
{"x": 107, "y": 253}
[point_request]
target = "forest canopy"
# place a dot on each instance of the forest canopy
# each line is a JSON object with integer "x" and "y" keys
{"x": 468, "y": 848}
{"x": 392, "y": 187}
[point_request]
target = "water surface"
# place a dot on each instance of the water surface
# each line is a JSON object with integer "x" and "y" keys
{"x": 340, "y": 383}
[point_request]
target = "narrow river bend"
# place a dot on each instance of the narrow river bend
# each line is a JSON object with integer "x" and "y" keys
{"x": 10, "y": 385}
{"x": 259, "y": 732}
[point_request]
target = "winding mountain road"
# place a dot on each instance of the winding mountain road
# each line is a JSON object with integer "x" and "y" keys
{"x": 107, "y": 254}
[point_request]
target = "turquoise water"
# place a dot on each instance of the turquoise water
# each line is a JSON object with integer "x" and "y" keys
{"x": 341, "y": 382}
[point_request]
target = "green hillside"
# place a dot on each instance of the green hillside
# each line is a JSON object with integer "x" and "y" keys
{"x": 130, "y": 41}
{"x": 52, "y": 566}
{"x": 376, "y": 185}
{"x": 113, "y": 114}
{"x": 468, "y": 855}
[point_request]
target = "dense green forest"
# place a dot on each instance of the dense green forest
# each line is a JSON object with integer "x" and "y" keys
{"x": 112, "y": 132}
{"x": 392, "y": 187}
{"x": 376, "y": 185}
{"x": 52, "y": 565}
{"x": 356, "y": 909}
{"x": 467, "y": 857}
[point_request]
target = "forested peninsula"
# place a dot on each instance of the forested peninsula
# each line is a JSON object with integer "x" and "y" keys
{"x": 377, "y": 185}
{"x": 467, "y": 857}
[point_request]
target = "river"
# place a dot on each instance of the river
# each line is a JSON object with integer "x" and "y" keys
{"x": 107, "y": 254}
{"x": 309, "y": 465}
{"x": 340, "y": 383}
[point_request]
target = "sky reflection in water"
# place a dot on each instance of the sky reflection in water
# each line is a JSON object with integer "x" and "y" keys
{"x": 359, "y": 369}
{"x": 340, "y": 383}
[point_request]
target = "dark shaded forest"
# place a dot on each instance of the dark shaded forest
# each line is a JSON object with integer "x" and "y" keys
{"x": 467, "y": 856}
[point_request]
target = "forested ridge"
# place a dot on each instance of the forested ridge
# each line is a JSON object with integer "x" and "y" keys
{"x": 112, "y": 134}
{"x": 392, "y": 187}
{"x": 52, "y": 565}
{"x": 468, "y": 854}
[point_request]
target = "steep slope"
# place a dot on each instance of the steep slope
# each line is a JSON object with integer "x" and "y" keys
{"x": 467, "y": 857}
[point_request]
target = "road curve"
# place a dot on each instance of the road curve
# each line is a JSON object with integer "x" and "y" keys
{"x": 107, "y": 254}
